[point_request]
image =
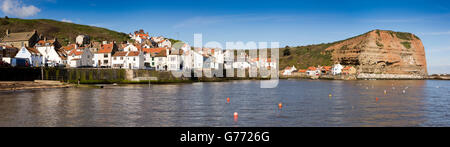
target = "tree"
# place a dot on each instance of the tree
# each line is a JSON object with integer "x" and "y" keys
{"x": 287, "y": 51}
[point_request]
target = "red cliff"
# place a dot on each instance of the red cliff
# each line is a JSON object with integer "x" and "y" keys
{"x": 382, "y": 52}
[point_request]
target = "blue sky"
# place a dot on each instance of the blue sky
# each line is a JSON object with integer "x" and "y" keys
{"x": 288, "y": 22}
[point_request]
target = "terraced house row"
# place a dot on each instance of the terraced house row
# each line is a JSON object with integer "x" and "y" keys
{"x": 141, "y": 52}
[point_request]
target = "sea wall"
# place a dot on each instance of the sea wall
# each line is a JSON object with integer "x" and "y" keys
{"x": 85, "y": 75}
{"x": 389, "y": 76}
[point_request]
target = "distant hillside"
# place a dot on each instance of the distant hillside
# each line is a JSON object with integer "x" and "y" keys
{"x": 65, "y": 32}
{"x": 304, "y": 56}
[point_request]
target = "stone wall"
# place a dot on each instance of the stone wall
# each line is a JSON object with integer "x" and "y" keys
{"x": 389, "y": 76}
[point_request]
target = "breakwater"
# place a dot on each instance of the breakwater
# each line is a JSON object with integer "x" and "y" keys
{"x": 86, "y": 75}
{"x": 110, "y": 76}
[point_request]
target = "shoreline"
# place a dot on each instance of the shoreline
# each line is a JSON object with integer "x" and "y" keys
{"x": 8, "y": 86}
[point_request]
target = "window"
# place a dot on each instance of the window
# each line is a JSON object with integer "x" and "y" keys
{"x": 153, "y": 58}
{"x": 115, "y": 58}
{"x": 106, "y": 55}
{"x": 121, "y": 58}
{"x": 105, "y": 61}
{"x": 134, "y": 58}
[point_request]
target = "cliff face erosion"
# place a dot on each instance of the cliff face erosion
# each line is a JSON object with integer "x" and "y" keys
{"x": 382, "y": 52}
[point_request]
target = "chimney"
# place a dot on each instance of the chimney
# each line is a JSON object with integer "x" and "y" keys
{"x": 7, "y": 32}
{"x": 45, "y": 38}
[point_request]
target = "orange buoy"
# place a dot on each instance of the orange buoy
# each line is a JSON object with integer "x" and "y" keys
{"x": 280, "y": 105}
{"x": 330, "y": 95}
{"x": 376, "y": 99}
{"x": 236, "y": 115}
{"x": 228, "y": 100}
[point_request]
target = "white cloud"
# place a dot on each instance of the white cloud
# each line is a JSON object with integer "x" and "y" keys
{"x": 17, "y": 8}
{"x": 66, "y": 20}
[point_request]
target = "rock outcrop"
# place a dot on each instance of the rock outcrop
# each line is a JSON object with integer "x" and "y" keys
{"x": 382, "y": 52}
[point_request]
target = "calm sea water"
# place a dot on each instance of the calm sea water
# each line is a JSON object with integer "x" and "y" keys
{"x": 305, "y": 103}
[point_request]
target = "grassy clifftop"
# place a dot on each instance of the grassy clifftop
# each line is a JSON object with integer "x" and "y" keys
{"x": 64, "y": 31}
{"x": 304, "y": 56}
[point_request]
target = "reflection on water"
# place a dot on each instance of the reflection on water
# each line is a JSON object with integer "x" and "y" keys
{"x": 305, "y": 103}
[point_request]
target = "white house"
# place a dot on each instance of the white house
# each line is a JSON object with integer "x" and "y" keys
{"x": 149, "y": 56}
{"x": 7, "y": 53}
{"x": 80, "y": 58}
{"x": 156, "y": 40}
{"x": 188, "y": 60}
{"x": 32, "y": 54}
{"x": 140, "y": 36}
{"x": 51, "y": 52}
{"x": 87, "y": 58}
{"x": 313, "y": 71}
{"x": 198, "y": 60}
{"x": 134, "y": 60}
{"x": 165, "y": 43}
{"x": 73, "y": 57}
{"x": 174, "y": 60}
{"x": 82, "y": 40}
{"x": 161, "y": 60}
{"x": 218, "y": 58}
{"x": 288, "y": 70}
{"x": 130, "y": 47}
{"x": 228, "y": 59}
{"x": 337, "y": 69}
{"x": 103, "y": 58}
{"x": 118, "y": 59}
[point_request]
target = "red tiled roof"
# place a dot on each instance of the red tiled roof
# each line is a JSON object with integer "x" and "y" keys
{"x": 153, "y": 50}
{"x": 120, "y": 54}
{"x": 326, "y": 68}
{"x": 106, "y": 48}
{"x": 302, "y": 70}
{"x": 312, "y": 68}
{"x": 347, "y": 68}
{"x": 133, "y": 53}
{"x": 162, "y": 53}
{"x": 69, "y": 47}
{"x": 43, "y": 42}
{"x": 142, "y": 35}
{"x": 77, "y": 53}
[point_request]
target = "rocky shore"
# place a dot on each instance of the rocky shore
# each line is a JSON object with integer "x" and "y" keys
{"x": 365, "y": 76}
{"x": 390, "y": 76}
